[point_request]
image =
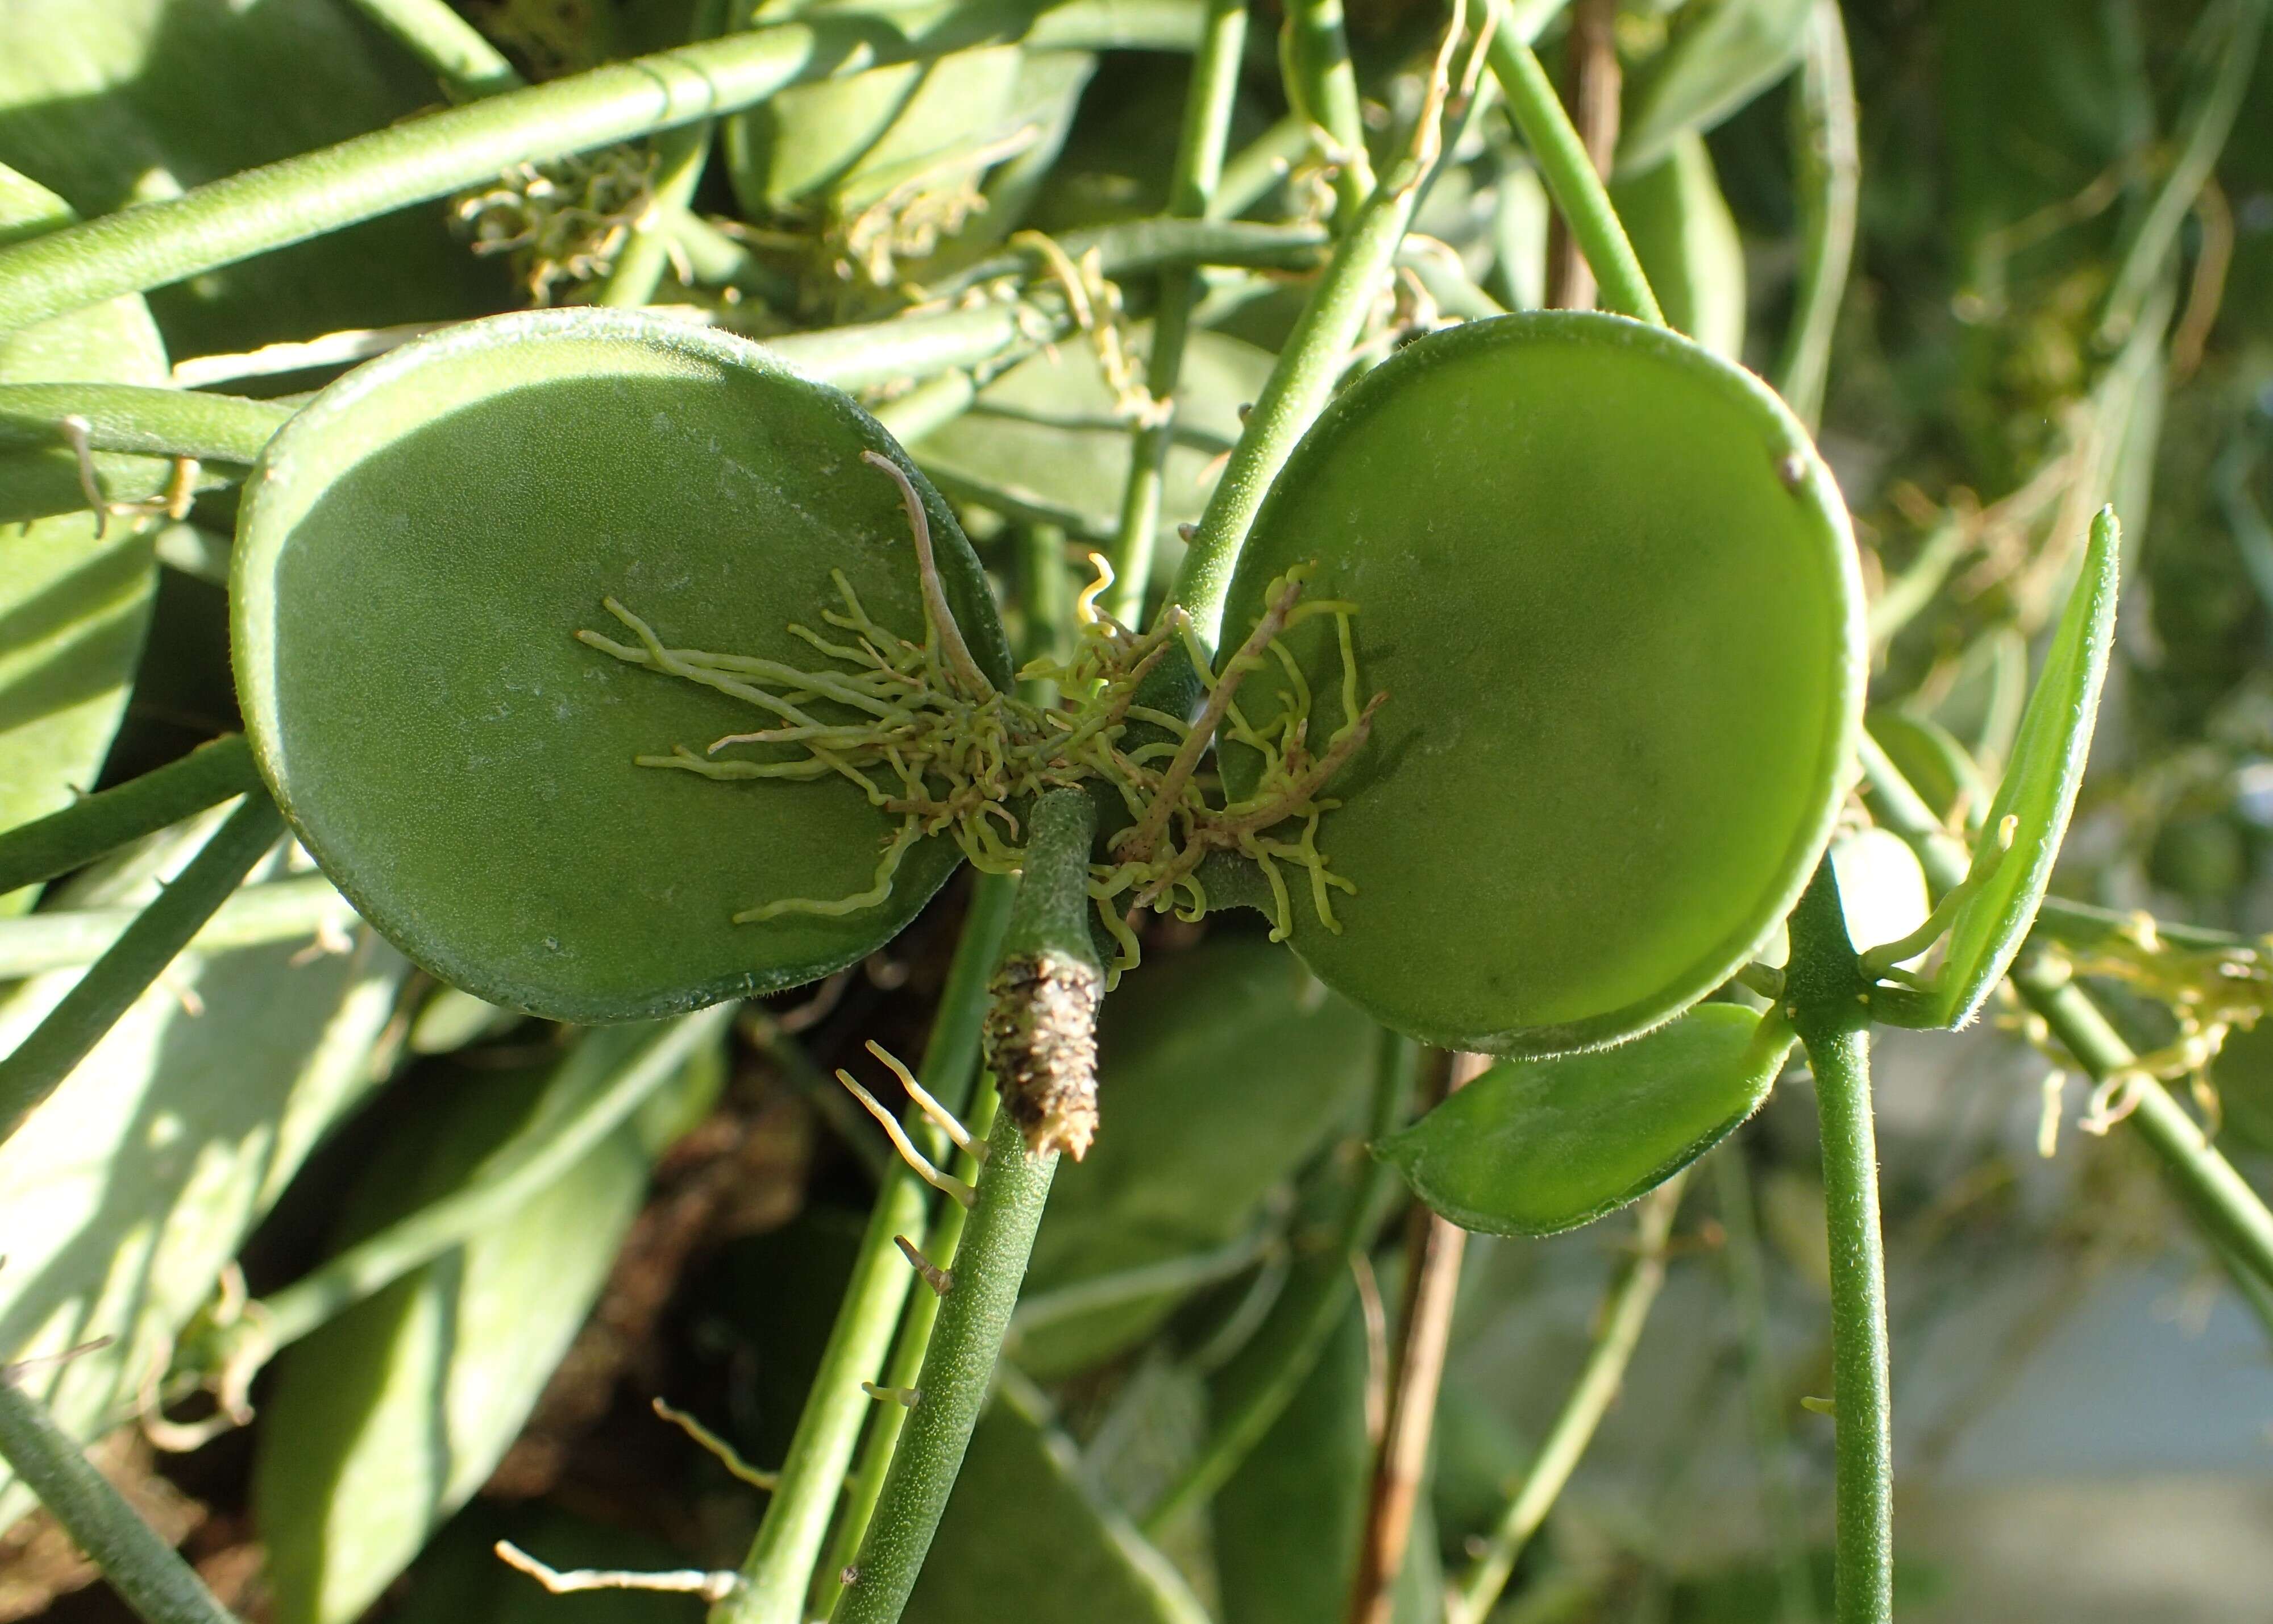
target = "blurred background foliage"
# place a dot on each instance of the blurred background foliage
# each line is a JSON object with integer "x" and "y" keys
{"x": 2085, "y": 1408}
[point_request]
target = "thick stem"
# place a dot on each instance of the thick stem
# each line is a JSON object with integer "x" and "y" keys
{"x": 125, "y": 971}
{"x": 779, "y": 1569}
{"x": 2214, "y": 1196}
{"x": 467, "y": 65}
{"x": 1824, "y": 985}
{"x": 149, "y": 1575}
{"x": 1625, "y": 1309}
{"x": 1049, "y": 928}
{"x": 100, "y": 825}
{"x": 291, "y": 910}
{"x": 1289, "y": 1345}
{"x": 1827, "y": 161}
{"x": 155, "y": 245}
{"x": 1569, "y": 174}
{"x": 1208, "y": 102}
{"x": 144, "y": 419}
{"x": 378, "y": 1261}
{"x": 1593, "y": 78}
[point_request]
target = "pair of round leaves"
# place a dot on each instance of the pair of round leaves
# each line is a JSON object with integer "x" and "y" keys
{"x": 415, "y": 552}
{"x": 1610, "y": 591}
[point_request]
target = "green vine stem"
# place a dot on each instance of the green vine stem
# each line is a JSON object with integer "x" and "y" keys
{"x": 125, "y": 971}
{"x": 1825, "y": 1001}
{"x": 1313, "y": 60}
{"x": 1289, "y": 1346}
{"x": 1257, "y": 169}
{"x": 149, "y": 1575}
{"x": 100, "y": 825}
{"x": 379, "y": 1260}
{"x": 451, "y": 49}
{"x": 1041, "y": 1039}
{"x": 2232, "y": 31}
{"x": 1304, "y": 376}
{"x": 779, "y": 1570}
{"x": 1563, "y": 164}
{"x": 140, "y": 419}
{"x": 1827, "y": 159}
{"x": 1214, "y": 88}
{"x": 157, "y": 243}
{"x": 1618, "y": 1328}
{"x": 273, "y": 911}
{"x": 2215, "y": 1196}
{"x": 681, "y": 156}
{"x": 1732, "y": 1190}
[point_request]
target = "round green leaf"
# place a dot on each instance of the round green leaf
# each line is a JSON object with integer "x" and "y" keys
{"x": 1610, "y": 591}
{"x": 2014, "y": 865}
{"x": 1538, "y": 1147}
{"x": 416, "y": 551}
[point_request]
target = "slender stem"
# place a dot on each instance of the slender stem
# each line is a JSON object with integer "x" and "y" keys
{"x": 1208, "y": 100}
{"x": 149, "y": 1575}
{"x": 778, "y": 1572}
{"x": 274, "y": 911}
{"x": 1049, "y": 921}
{"x": 224, "y": 221}
{"x": 2232, "y": 45}
{"x": 1771, "y": 1438}
{"x": 1321, "y": 87}
{"x": 445, "y": 44}
{"x": 1157, "y": 241}
{"x": 114, "y": 981}
{"x": 1290, "y": 1343}
{"x": 1828, "y": 160}
{"x": 1617, "y": 1330}
{"x": 1250, "y": 173}
{"x": 1591, "y": 72}
{"x": 681, "y": 156}
{"x": 144, "y": 419}
{"x": 1570, "y": 177}
{"x": 1298, "y": 388}
{"x": 79, "y": 834}
{"x": 520, "y": 1171}
{"x": 929, "y": 406}
{"x": 2218, "y": 1198}
{"x": 1434, "y": 1250}
{"x": 1824, "y": 984}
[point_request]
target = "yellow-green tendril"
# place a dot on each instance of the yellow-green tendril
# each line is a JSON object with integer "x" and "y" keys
{"x": 926, "y": 737}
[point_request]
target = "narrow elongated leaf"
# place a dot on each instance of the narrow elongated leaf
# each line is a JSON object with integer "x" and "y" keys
{"x": 124, "y": 1196}
{"x": 1537, "y": 1147}
{"x": 384, "y": 1420}
{"x": 1734, "y": 49}
{"x": 72, "y": 603}
{"x": 1686, "y": 240}
{"x": 2038, "y": 791}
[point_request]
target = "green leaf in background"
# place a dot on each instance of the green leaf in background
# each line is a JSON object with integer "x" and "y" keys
{"x": 1288, "y": 1521}
{"x": 384, "y": 1420}
{"x": 73, "y": 605}
{"x": 1044, "y": 442}
{"x": 1221, "y": 1070}
{"x": 1721, "y": 54}
{"x": 1882, "y": 889}
{"x": 1609, "y": 590}
{"x": 2011, "y": 867}
{"x": 1020, "y": 1533}
{"x": 1984, "y": 696}
{"x": 420, "y": 547}
{"x": 124, "y": 1196}
{"x": 1687, "y": 242}
{"x": 130, "y": 100}
{"x": 1937, "y": 766}
{"x": 1538, "y": 1147}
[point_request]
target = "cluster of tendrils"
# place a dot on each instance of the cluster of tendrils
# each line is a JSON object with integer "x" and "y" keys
{"x": 924, "y": 734}
{"x": 563, "y": 222}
